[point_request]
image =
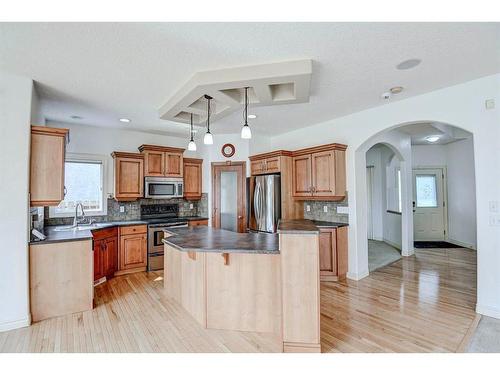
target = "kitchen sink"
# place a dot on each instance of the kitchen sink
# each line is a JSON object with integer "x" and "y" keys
{"x": 77, "y": 228}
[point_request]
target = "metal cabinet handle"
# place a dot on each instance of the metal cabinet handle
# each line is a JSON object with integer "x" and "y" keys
{"x": 65, "y": 191}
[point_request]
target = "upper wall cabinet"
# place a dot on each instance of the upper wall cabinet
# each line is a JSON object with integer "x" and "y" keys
{"x": 267, "y": 163}
{"x": 162, "y": 161}
{"x": 129, "y": 175}
{"x": 48, "y": 147}
{"x": 192, "y": 178}
{"x": 319, "y": 173}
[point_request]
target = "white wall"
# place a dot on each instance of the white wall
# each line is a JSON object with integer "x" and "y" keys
{"x": 462, "y": 106}
{"x": 103, "y": 141}
{"x": 458, "y": 158}
{"x": 36, "y": 114}
{"x": 374, "y": 159}
{"x": 15, "y": 115}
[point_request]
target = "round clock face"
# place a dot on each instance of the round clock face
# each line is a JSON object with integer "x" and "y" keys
{"x": 228, "y": 150}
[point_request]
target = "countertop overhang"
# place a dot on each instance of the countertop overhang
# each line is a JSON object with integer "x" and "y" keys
{"x": 304, "y": 226}
{"x": 208, "y": 239}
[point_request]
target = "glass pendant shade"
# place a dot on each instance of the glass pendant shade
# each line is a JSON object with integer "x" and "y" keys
{"x": 208, "y": 139}
{"x": 191, "y": 146}
{"x": 246, "y": 133}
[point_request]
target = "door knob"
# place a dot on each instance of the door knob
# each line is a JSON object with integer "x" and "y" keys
{"x": 240, "y": 217}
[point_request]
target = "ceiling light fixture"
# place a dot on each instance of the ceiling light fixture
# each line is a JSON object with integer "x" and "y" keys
{"x": 191, "y": 144}
{"x": 432, "y": 138}
{"x": 208, "y": 139}
{"x": 408, "y": 64}
{"x": 76, "y": 117}
{"x": 252, "y": 116}
{"x": 123, "y": 119}
{"x": 246, "y": 133}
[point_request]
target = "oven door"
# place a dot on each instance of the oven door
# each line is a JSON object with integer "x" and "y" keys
{"x": 155, "y": 245}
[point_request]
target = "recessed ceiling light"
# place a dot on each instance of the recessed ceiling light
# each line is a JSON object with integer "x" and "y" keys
{"x": 252, "y": 116}
{"x": 408, "y": 64}
{"x": 396, "y": 90}
{"x": 432, "y": 138}
{"x": 124, "y": 120}
{"x": 76, "y": 117}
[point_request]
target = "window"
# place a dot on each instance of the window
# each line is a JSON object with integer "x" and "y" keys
{"x": 426, "y": 190}
{"x": 83, "y": 182}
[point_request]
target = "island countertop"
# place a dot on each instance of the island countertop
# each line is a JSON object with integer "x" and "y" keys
{"x": 305, "y": 226}
{"x": 208, "y": 239}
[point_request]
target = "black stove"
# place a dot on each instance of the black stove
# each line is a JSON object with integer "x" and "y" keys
{"x": 161, "y": 213}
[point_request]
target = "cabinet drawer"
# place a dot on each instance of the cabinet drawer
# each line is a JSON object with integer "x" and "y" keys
{"x": 133, "y": 229}
{"x": 195, "y": 223}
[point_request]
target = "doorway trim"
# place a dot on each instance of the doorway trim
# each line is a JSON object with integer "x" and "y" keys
{"x": 445, "y": 193}
{"x": 240, "y": 167}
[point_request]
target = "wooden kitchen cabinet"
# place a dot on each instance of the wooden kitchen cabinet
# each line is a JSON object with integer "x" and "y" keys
{"x": 319, "y": 173}
{"x": 133, "y": 252}
{"x": 267, "y": 163}
{"x": 160, "y": 161}
{"x": 333, "y": 253}
{"x": 193, "y": 178}
{"x": 129, "y": 175}
{"x": 48, "y": 147}
{"x": 195, "y": 223}
{"x": 105, "y": 252}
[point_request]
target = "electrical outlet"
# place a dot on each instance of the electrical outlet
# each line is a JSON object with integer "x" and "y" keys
{"x": 493, "y": 206}
{"x": 191, "y": 206}
{"x": 122, "y": 209}
{"x": 494, "y": 220}
{"x": 308, "y": 208}
{"x": 342, "y": 209}
{"x": 325, "y": 208}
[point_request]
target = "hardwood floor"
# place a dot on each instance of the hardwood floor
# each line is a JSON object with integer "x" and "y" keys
{"x": 423, "y": 303}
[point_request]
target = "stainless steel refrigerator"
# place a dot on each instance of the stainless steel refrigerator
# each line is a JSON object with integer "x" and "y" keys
{"x": 264, "y": 203}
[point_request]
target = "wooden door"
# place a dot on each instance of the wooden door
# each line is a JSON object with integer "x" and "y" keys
{"x": 154, "y": 163}
{"x": 129, "y": 179}
{"x": 323, "y": 173}
{"x": 302, "y": 183}
{"x": 173, "y": 164}
{"x": 192, "y": 178}
{"x": 98, "y": 259}
{"x": 273, "y": 165}
{"x": 110, "y": 256}
{"x": 48, "y": 147}
{"x": 257, "y": 167}
{"x": 133, "y": 251}
{"x": 221, "y": 218}
{"x": 328, "y": 251}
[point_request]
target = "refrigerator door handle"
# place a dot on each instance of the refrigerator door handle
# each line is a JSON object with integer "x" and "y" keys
{"x": 256, "y": 203}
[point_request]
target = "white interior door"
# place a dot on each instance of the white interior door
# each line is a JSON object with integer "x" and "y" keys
{"x": 428, "y": 205}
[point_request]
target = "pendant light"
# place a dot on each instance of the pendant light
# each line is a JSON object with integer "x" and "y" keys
{"x": 246, "y": 133}
{"x": 208, "y": 139}
{"x": 192, "y": 144}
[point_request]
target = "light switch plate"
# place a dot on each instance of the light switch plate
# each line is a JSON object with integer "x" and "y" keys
{"x": 490, "y": 104}
{"x": 493, "y": 206}
{"x": 122, "y": 209}
{"x": 342, "y": 209}
{"x": 191, "y": 206}
{"x": 325, "y": 208}
{"x": 308, "y": 208}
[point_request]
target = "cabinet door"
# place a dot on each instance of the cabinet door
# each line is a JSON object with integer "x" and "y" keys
{"x": 47, "y": 169}
{"x": 173, "y": 164}
{"x": 257, "y": 167}
{"x": 327, "y": 251}
{"x": 128, "y": 178}
{"x": 110, "y": 256}
{"x": 273, "y": 165}
{"x": 98, "y": 259}
{"x": 323, "y": 173}
{"x": 302, "y": 183}
{"x": 192, "y": 180}
{"x": 154, "y": 163}
{"x": 133, "y": 251}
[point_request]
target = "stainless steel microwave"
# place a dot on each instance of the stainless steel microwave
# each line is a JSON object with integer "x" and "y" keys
{"x": 163, "y": 187}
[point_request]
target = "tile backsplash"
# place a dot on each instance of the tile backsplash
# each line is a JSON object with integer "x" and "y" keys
{"x": 317, "y": 211}
{"x": 133, "y": 210}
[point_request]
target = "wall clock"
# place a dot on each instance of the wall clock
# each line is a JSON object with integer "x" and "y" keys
{"x": 228, "y": 150}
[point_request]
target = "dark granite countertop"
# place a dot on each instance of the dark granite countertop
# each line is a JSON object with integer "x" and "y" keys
{"x": 306, "y": 226}
{"x": 191, "y": 218}
{"x": 54, "y": 235}
{"x": 208, "y": 239}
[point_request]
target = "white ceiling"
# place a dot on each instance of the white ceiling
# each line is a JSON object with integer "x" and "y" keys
{"x": 106, "y": 71}
{"x": 418, "y": 133}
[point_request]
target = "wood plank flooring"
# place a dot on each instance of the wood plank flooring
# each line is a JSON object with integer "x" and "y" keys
{"x": 424, "y": 303}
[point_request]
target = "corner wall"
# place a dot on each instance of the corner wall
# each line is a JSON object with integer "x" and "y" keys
{"x": 15, "y": 115}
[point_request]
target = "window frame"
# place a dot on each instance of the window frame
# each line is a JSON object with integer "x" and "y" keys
{"x": 95, "y": 158}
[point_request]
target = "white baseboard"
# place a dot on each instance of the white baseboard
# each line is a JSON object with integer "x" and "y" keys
{"x": 460, "y": 243}
{"x": 491, "y": 311}
{"x": 357, "y": 276}
{"x": 393, "y": 244}
{"x": 7, "y": 326}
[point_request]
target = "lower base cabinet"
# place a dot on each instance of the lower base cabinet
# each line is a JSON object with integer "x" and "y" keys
{"x": 105, "y": 252}
{"x": 133, "y": 254}
{"x": 333, "y": 253}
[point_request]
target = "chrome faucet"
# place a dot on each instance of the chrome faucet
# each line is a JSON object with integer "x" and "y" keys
{"x": 75, "y": 219}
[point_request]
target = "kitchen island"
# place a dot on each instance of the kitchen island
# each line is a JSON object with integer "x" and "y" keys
{"x": 249, "y": 281}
